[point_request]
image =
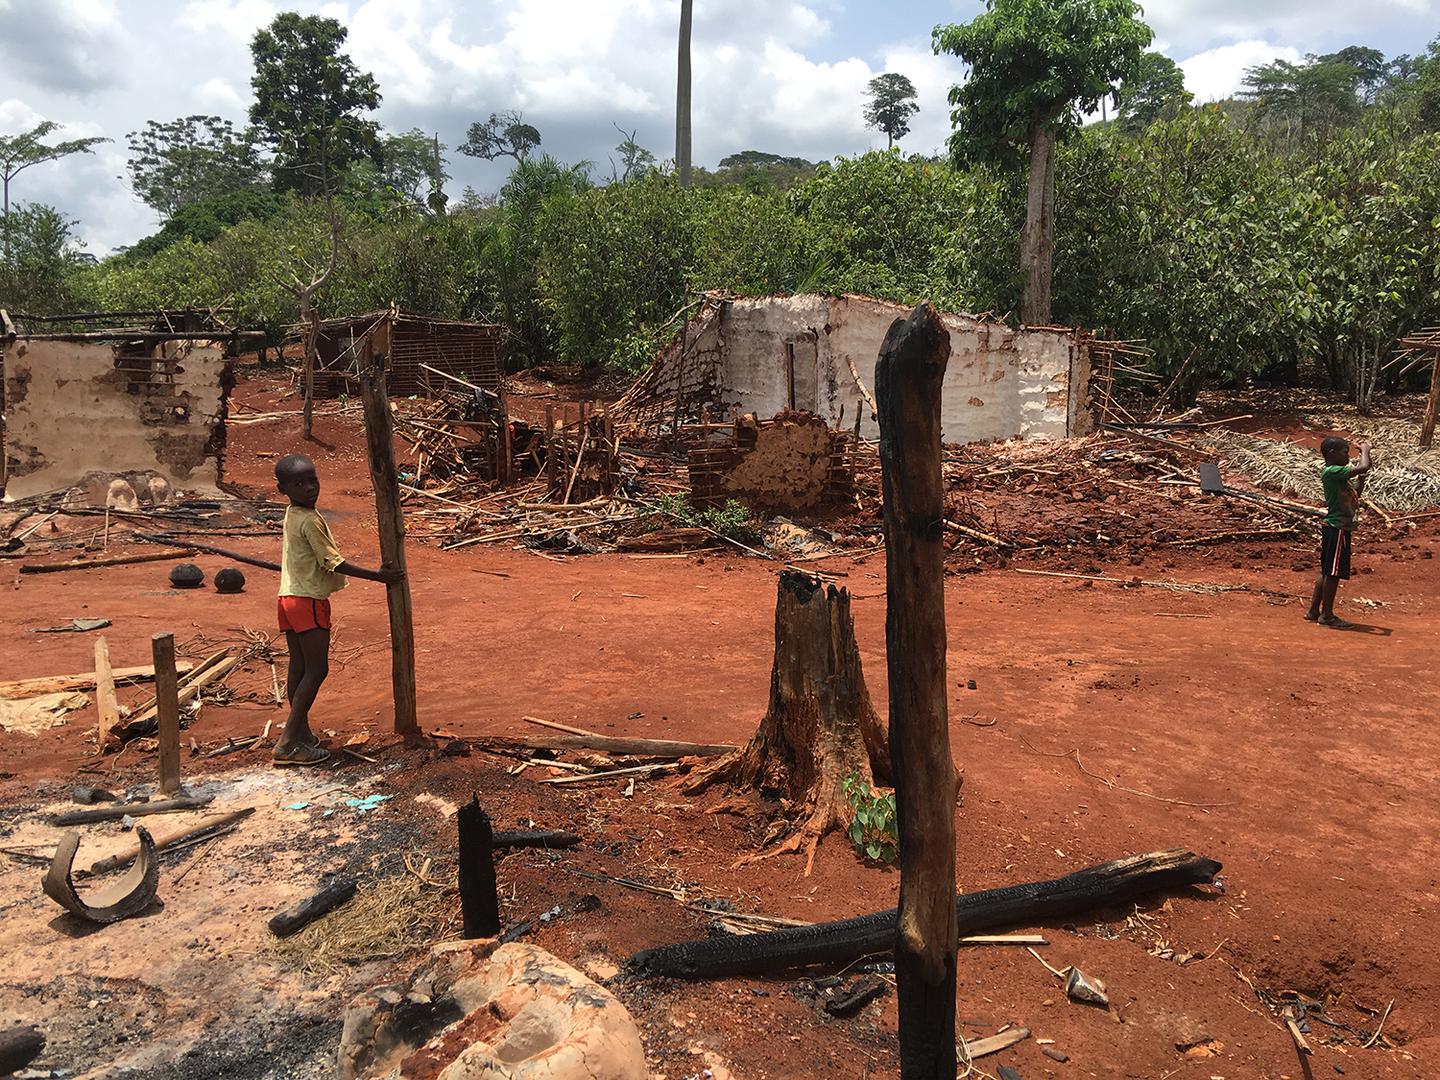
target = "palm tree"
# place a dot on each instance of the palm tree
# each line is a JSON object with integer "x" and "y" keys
{"x": 682, "y": 95}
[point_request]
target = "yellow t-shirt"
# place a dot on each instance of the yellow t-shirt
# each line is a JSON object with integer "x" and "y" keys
{"x": 309, "y": 556}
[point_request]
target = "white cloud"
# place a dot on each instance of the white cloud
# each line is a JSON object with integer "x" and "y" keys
{"x": 1198, "y": 23}
{"x": 237, "y": 19}
{"x": 1217, "y": 73}
{"x": 222, "y": 97}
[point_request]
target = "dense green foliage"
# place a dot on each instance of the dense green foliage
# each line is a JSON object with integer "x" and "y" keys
{"x": 310, "y": 101}
{"x": 179, "y": 163}
{"x": 1248, "y": 240}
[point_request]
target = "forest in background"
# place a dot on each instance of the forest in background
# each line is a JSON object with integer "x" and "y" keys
{"x": 1289, "y": 235}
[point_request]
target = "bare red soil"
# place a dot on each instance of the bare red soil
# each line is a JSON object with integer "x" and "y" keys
{"x": 1306, "y": 760}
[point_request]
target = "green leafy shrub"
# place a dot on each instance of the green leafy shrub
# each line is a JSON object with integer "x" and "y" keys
{"x": 872, "y": 830}
{"x": 733, "y": 520}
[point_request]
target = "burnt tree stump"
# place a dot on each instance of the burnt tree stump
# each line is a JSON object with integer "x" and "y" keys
{"x": 908, "y": 378}
{"x": 820, "y": 725}
{"x": 479, "y": 897}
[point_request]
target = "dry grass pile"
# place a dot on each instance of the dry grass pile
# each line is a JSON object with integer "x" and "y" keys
{"x": 1404, "y": 480}
{"x": 389, "y": 917}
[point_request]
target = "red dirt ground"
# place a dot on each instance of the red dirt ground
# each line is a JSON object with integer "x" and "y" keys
{"x": 1308, "y": 749}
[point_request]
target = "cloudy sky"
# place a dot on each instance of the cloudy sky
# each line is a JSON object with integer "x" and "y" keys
{"x": 786, "y": 76}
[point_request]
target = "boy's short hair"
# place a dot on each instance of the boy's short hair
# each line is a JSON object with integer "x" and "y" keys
{"x": 1330, "y": 445}
{"x": 292, "y": 464}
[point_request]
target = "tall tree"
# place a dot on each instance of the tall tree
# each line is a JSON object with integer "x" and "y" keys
{"x": 310, "y": 101}
{"x": 505, "y": 134}
{"x": 19, "y": 152}
{"x": 39, "y": 257}
{"x": 190, "y": 160}
{"x": 1316, "y": 96}
{"x": 412, "y": 163}
{"x": 635, "y": 160}
{"x": 682, "y": 94}
{"x": 1155, "y": 91}
{"x": 892, "y": 103}
{"x": 1037, "y": 67}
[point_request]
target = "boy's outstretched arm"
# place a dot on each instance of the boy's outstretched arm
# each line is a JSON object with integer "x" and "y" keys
{"x": 387, "y": 575}
{"x": 1364, "y": 465}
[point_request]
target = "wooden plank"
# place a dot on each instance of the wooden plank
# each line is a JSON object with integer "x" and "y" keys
{"x": 164, "y": 841}
{"x": 379, "y": 442}
{"x": 54, "y": 684}
{"x": 558, "y": 727}
{"x": 610, "y": 744}
{"x": 124, "y": 810}
{"x": 167, "y": 708}
{"x": 106, "y": 705}
{"x": 113, "y": 560}
{"x": 585, "y": 778}
{"x": 908, "y": 377}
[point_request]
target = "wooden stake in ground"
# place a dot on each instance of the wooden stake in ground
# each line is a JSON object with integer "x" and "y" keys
{"x": 167, "y": 709}
{"x": 105, "y": 703}
{"x": 380, "y": 443}
{"x": 479, "y": 898}
{"x": 820, "y": 726}
{"x": 908, "y": 378}
{"x": 1432, "y": 403}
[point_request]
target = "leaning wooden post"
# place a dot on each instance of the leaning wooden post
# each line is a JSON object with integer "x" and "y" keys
{"x": 1427, "y": 428}
{"x": 379, "y": 441}
{"x": 106, "y": 704}
{"x": 908, "y": 377}
{"x": 475, "y": 859}
{"x": 167, "y": 711}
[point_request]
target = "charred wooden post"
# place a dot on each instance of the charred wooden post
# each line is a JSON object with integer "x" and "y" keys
{"x": 167, "y": 710}
{"x": 479, "y": 897}
{"x": 18, "y": 1047}
{"x": 295, "y": 918}
{"x": 908, "y": 376}
{"x": 821, "y": 726}
{"x": 380, "y": 444}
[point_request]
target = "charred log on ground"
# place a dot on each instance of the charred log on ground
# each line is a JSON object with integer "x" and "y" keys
{"x": 872, "y": 935}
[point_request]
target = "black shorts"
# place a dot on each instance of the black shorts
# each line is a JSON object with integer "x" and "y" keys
{"x": 1335, "y": 552}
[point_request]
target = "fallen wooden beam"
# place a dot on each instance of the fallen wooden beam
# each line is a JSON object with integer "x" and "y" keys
{"x": 173, "y": 838}
{"x": 294, "y": 919}
{"x": 147, "y": 720}
{"x": 610, "y": 744}
{"x": 124, "y": 810}
{"x": 585, "y": 778}
{"x": 209, "y": 549}
{"x": 541, "y": 838}
{"x": 995, "y": 1043}
{"x": 114, "y": 560}
{"x": 842, "y": 942}
{"x": 54, "y": 684}
{"x": 18, "y": 1047}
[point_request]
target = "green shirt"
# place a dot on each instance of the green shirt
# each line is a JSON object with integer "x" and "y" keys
{"x": 1340, "y": 497}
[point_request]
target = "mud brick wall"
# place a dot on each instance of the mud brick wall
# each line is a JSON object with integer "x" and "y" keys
{"x": 77, "y": 409}
{"x": 1001, "y": 383}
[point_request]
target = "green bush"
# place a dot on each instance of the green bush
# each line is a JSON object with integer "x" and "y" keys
{"x": 873, "y": 829}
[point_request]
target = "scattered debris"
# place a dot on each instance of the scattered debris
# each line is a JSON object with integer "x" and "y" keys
{"x": 129, "y": 896}
{"x": 76, "y": 626}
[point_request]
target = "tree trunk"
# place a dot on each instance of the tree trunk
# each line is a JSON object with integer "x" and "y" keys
{"x": 310, "y": 318}
{"x": 907, "y": 389}
{"x": 1432, "y": 403}
{"x": 682, "y": 95}
{"x": 1037, "y": 246}
{"x": 820, "y": 726}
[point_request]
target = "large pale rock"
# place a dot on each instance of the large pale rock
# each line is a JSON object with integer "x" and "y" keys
{"x": 475, "y": 1011}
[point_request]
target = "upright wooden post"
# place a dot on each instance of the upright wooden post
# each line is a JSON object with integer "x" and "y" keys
{"x": 380, "y": 443}
{"x": 479, "y": 897}
{"x": 908, "y": 377}
{"x": 167, "y": 711}
{"x": 1427, "y": 428}
{"x": 105, "y": 703}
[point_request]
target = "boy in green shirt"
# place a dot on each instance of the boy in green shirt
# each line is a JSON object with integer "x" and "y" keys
{"x": 1344, "y": 484}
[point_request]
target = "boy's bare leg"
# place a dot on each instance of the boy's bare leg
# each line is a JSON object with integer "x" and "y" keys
{"x": 1327, "y": 606}
{"x": 1316, "y": 597}
{"x": 295, "y": 671}
{"x": 314, "y": 652}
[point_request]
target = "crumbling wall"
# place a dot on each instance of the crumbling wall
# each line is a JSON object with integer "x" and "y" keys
{"x": 791, "y": 464}
{"x": 806, "y": 351}
{"x": 76, "y": 409}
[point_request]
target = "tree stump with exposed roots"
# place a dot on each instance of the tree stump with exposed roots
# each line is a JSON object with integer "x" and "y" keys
{"x": 820, "y": 726}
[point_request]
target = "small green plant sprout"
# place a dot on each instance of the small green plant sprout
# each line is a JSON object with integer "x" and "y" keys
{"x": 872, "y": 824}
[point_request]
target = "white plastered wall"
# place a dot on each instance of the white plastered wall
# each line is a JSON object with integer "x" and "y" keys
{"x": 70, "y": 414}
{"x": 1000, "y": 383}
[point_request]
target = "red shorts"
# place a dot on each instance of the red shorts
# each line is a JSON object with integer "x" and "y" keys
{"x": 302, "y": 613}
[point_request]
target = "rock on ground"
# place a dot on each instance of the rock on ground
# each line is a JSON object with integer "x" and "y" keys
{"x": 478, "y": 1011}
